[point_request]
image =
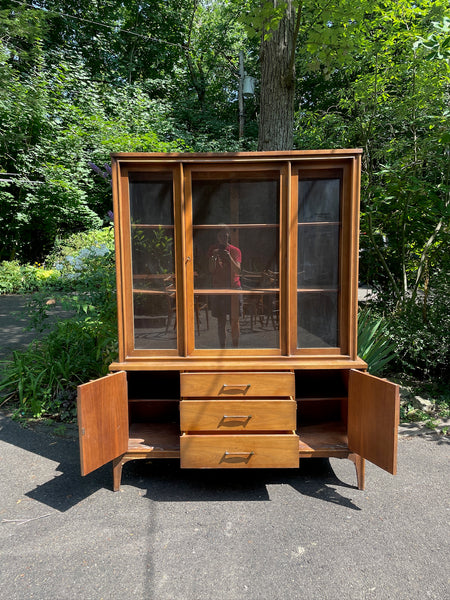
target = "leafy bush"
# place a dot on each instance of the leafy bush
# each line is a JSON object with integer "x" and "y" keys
{"x": 419, "y": 331}
{"x": 42, "y": 380}
{"x": 19, "y": 279}
{"x": 375, "y": 344}
{"x": 423, "y": 340}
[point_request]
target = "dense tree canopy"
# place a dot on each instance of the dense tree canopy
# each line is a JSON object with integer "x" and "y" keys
{"x": 81, "y": 79}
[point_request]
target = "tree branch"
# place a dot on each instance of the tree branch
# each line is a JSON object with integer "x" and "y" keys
{"x": 382, "y": 259}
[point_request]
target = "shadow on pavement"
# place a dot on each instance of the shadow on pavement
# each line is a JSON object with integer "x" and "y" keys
{"x": 163, "y": 480}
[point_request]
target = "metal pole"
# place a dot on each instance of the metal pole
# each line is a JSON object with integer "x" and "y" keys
{"x": 241, "y": 94}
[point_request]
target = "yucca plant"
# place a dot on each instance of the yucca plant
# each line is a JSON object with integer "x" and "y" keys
{"x": 375, "y": 346}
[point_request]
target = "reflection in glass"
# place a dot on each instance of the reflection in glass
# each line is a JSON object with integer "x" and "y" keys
{"x": 318, "y": 263}
{"x": 152, "y": 256}
{"x": 318, "y": 250}
{"x": 318, "y": 200}
{"x": 258, "y": 319}
{"x": 236, "y": 247}
{"x": 224, "y": 263}
{"x": 153, "y": 261}
{"x": 154, "y": 320}
{"x": 151, "y": 198}
{"x": 317, "y": 319}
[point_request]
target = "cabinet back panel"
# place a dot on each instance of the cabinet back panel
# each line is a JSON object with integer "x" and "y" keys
{"x": 156, "y": 411}
{"x": 154, "y": 384}
{"x": 311, "y": 412}
{"x": 320, "y": 384}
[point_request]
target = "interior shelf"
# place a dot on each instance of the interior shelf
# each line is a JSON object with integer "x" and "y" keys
{"x": 161, "y": 440}
{"x": 323, "y": 440}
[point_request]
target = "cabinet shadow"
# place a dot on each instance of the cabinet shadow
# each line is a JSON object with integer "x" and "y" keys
{"x": 163, "y": 479}
{"x": 314, "y": 478}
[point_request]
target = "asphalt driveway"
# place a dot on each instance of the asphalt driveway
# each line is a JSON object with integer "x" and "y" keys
{"x": 172, "y": 534}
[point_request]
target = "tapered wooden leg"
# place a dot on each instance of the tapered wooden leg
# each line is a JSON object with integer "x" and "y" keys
{"x": 117, "y": 472}
{"x": 360, "y": 466}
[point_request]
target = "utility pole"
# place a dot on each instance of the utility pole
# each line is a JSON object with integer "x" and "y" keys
{"x": 241, "y": 94}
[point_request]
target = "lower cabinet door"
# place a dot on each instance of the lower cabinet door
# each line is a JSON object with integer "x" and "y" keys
{"x": 259, "y": 451}
{"x": 102, "y": 420}
{"x": 373, "y": 417}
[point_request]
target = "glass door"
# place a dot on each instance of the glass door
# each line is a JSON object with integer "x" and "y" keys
{"x": 153, "y": 260}
{"x": 318, "y": 259}
{"x": 236, "y": 258}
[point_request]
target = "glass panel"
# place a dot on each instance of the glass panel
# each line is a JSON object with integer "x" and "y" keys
{"x": 317, "y": 319}
{"x": 151, "y": 198}
{"x": 154, "y": 321}
{"x": 153, "y": 261}
{"x": 236, "y": 246}
{"x": 318, "y": 263}
{"x": 318, "y": 250}
{"x": 236, "y": 320}
{"x": 318, "y": 200}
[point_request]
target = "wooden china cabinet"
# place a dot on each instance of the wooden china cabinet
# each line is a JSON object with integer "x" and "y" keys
{"x": 237, "y": 300}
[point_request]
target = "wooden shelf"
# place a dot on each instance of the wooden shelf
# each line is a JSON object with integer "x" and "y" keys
{"x": 323, "y": 440}
{"x": 159, "y": 440}
{"x": 303, "y": 223}
{"x": 150, "y": 226}
{"x": 239, "y": 291}
{"x": 162, "y": 440}
{"x": 319, "y": 289}
{"x": 320, "y": 398}
{"x": 239, "y": 226}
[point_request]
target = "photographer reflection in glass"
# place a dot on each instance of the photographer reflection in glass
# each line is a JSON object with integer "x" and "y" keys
{"x": 225, "y": 266}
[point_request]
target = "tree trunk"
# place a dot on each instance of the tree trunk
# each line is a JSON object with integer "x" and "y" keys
{"x": 276, "y": 119}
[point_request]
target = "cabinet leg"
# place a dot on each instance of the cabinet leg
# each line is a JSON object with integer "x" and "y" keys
{"x": 360, "y": 466}
{"x": 117, "y": 472}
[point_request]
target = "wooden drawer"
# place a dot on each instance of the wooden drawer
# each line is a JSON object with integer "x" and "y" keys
{"x": 227, "y": 384}
{"x": 240, "y": 451}
{"x": 238, "y": 415}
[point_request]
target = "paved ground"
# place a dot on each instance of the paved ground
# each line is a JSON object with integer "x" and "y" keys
{"x": 13, "y": 325}
{"x": 210, "y": 535}
{"x": 172, "y": 534}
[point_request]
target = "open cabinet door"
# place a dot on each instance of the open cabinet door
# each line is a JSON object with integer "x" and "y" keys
{"x": 373, "y": 417}
{"x": 102, "y": 420}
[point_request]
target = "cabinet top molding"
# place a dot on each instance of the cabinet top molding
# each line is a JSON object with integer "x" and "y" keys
{"x": 229, "y": 156}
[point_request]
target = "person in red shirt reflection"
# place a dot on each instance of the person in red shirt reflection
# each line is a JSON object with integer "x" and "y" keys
{"x": 225, "y": 267}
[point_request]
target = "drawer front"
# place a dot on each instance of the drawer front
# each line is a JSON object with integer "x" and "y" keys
{"x": 238, "y": 415}
{"x": 277, "y": 451}
{"x": 245, "y": 384}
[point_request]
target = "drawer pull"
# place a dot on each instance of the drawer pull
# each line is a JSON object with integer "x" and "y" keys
{"x": 247, "y": 417}
{"x": 235, "y": 420}
{"x": 234, "y": 386}
{"x": 237, "y": 456}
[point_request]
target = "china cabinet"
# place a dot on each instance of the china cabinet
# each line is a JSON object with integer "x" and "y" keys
{"x": 237, "y": 307}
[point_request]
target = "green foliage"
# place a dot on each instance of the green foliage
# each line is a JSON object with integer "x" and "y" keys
{"x": 42, "y": 380}
{"x": 375, "y": 344}
{"x": 19, "y": 279}
{"x": 369, "y": 74}
{"x": 422, "y": 335}
{"x": 87, "y": 284}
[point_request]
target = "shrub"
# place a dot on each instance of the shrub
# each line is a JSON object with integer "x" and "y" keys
{"x": 420, "y": 332}
{"x": 21, "y": 279}
{"x": 42, "y": 380}
{"x": 375, "y": 344}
